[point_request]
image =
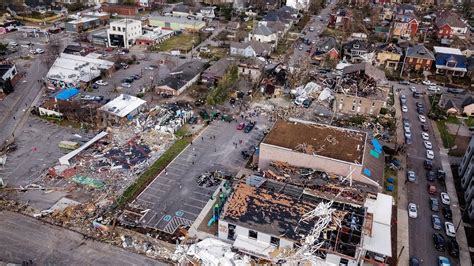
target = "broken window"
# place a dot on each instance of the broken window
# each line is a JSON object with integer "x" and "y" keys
{"x": 231, "y": 233}
{"x": 253, "y": 234}
{"x": 275, "y": 241}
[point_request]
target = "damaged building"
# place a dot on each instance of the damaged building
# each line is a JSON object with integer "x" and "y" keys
{"x": 363, "y": 89}
{"x": 329, "y": 149}
{"x": 180, "y": 78}
{"x": 265, "y": 219}
{"x": 120, "y": 110}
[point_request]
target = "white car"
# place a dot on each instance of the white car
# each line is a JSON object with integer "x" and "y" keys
{"x": 149, "y": 68}
{"x": 412, "y": 211}
{"x": 126, "y": 85}
{"x": 428, "y": 145}
{"x": 445, "y": 198}
{"x": 449, "y": 227}
{"x": 39, "y": 51}
{"x": 422, "y": 118}
{"x": 428, "y": 83}
{"x": 404, "y": 108}
{"x": 412, "y": 89}
{"x": 425, "y": 136}
{"x": 407, "y": 133}
{"x": 429, "y": 154}
{"x": 101, "y": 83}
{"x": 13, "y": 44}
{"x": 433, "y": 88}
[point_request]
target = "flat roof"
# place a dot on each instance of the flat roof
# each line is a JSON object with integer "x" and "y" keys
{"x": 122, "y": 105}
{"x": 318, "y": 139}
{"x": 180, "y": 20}
{"x": 279, "y": 214}
{"x": 378, "y": 238}
{"x": 82, "y": 20}
{"x": 447, "y": 50}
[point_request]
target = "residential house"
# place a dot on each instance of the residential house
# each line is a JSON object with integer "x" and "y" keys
{"x": 405, "y": 26}
{"x": 449, "y": 24}
{"x": 326, "y": 48}
{"x": 233, "y": 26}
{"x": 120, "y": 110}
{"x": 388, "y": 55}
{"x": 264, "y": 34}
{"x": 177, "y": 23}
{"x": 124, "y": 32}
{"x": 82, "y": 24}
{"x": 418, "y": 58}
{"x": 457, "y": 104}
{"x": 450, "y": 61}
{"x": 8, "y": 77}
{"x": 342, "y": 19}
{"x": 180, "y": 78}
{"x": 278, "y": 27}
{"x": 285, "y": 14}
{"x": 207, "y": 12}
{"x": 301, "y": 5}
{"x": 250, "y": 49}
{"x": 252, "y": 68}
{"x": 183, "y": 11}
{"x": 355, "y": 50}
{"x": 368, "y": 96}
{"x": 217, "y": 70}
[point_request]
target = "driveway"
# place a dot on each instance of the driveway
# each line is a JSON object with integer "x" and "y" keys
{"x": 174, "y": 197}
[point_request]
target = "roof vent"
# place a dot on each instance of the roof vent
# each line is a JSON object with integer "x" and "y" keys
{"x": 422, "y": 52}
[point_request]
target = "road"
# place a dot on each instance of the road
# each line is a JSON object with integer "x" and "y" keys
{"x": 421, "y": 229}
{"x": 174, "y": 197}
{"x": 319, "y": 26}
{"x": 24, "y": 238}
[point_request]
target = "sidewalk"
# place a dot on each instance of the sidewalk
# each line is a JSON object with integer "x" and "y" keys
{"x": 403, "y": 235}
{"x": 464, "y": 258}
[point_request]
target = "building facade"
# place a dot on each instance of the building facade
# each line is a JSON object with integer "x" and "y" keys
{"x": 177, "y": 23}
{"x": 123, "y": 33}
{"x": 418, "y": 58}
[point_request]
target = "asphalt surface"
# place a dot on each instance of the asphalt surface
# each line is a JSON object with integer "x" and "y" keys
{"x": 174, "y": 197}
{"x": 23, "y": 238}
{"x": 421, "y": 229}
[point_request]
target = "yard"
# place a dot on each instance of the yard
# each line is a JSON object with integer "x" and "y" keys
{"x": 182, "y": 42}
{"x": 448, "y": 139}
{"x": 469, "y": 121}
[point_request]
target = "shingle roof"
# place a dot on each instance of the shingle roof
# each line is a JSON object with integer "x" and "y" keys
{"x": 356, "y": 44}
{"x": 188, "y": 71}
{"x": 258, "y": 47}
{"x": 326, "y": 44}
{"x": 369, "y": 70}
{"x": 390, "y": 47}
{"x": 450, "y": 19}
{"x": 419, "y": 51}
{"x": 262, "y": 30}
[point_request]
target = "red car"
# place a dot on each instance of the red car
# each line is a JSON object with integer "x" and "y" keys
{"x": 241, "y": 126}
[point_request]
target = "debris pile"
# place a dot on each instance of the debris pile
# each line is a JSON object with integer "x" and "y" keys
{"x": 164, "y": 119}
{"x": 210, "y": 179}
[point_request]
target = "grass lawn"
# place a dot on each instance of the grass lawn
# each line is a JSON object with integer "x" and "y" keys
{"x": 453, "y": 120}
{"x": 182, "y": 42}
{"x": 448, "y": 139}
{"x": 469, "y": 121}
{"x": 146, "y": 177}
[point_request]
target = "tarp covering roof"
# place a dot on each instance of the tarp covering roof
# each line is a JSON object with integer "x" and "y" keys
{"x": 67, "y": 94}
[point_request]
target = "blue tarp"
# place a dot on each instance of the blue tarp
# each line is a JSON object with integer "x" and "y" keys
{"x": 367, "y": 172}
{"x": 377, "y": 146}
{"x": 67, "y": 94}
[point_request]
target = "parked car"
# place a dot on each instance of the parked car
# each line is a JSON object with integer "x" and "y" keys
{"x": 439, "y": 241}
{"x": 441, "y": 175}
{"x": 307, "y": 103}
{"x": 449, "y": 228}
{"x": 13, "y": 44}
{"x": 445, "y": 198}
{"x": 192, "y": 120}
{"x": 416, "y": 94}
{"x": 434, "y": 204}
{"x": 425, "y": 136}
{"x": 404, "y": 108}
{"x": 443, "y": 261}
{"x": 427, "y": 83}
{"x": 420, "y": 111}
{"x": 428, "y": 144}
{"x": 311, "y": 28}
{"x": 412, "y": 210}
{"x": 428, "y": 164}
{"x": 422, "y": 118}
{"x": 241, "y": 126}
{"x": 411, "y": 176}
{"x": 453, "y": 248}
{"x": 434, "y": 89}
{"x": 429, "y": 154}
{"x": 126, "y": 85}
{"x": 149, "y": 68}
{"x": 39, "y": 51}
{"x": 419, "y": 104}
{"x": 447, "y": 213}
{"x": 430, "y": 176}
{"x": 403, "y": 98}
{"x": 249, "y": 127}
{"x": 424, "y": 127}
{"x": 436, "y": 222}
{"x": 413, "y": 89}
{"x": 101, "y": 83}
{"x": 414, "y": 261}
{"x": 404, "y": 82}
{"x": 455, "y": 90}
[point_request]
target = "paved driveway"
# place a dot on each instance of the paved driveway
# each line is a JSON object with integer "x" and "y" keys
{"x": 174, "y": 198}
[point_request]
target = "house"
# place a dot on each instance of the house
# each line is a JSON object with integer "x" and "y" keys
{"x": 252, "y": 68}
{"x": 285, "y": 14}
{"x": 122, "y": 10}
{"x": 183, "y": 11}
{"x": 457, "y": 104}
{"x": 263, "y": 34}
{"x": 450, "y": 61}
{"x": 388, "y": 55}
{"x": 355, "y": 50}
{"x": 340, "y": 20}
{"x": 124, "y": 32}
{"x": 233, "y": 26}
{"x": 217, "y": 70}
{"x": 104, "y": 18}
{"x": 8, "y": 77}
{"x": 154, "y": 36}
{"x": 250, "y": 49}
{"x": 405, "y": 26}
{"x": 82, "y": 24}
{"x": 366, "y": 97}
{"x": 418, "y": 58}
{"x": 120, "y": 110}
{"x": 207, "y": 12}
{"x": 71, "y": 70}
{"x": 177, "y": 23}
{"x": 278, "y": 27}
{"x": 180, "y": 78}
{"x": 326, "y": 48}
{"x": 301, "y": 5}
{"x": 449, "y": 24}
{"x": 334, "y": 150}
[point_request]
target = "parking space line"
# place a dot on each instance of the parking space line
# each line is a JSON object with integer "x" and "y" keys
{"x": 162, "y": 177}
{"x": 181, "y": 164}
{"x": 147, "y": 202}
{"x": 198, "y": 200}
{"x": 191, "y": 213}
{"x": 175, "y": 169}
{"x": 166, "y": 185}
{"x": 151, "y": 195}
{"x": 192, "y": 206}
{"x": 207, "y": 195}
{"x": 157, "y": 189}
{"x": 209, "y": 189}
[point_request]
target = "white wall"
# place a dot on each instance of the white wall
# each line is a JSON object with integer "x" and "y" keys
{"x": 44, "y": 111}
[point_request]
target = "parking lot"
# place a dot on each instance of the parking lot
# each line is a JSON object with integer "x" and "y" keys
{"x": 174, "y": 197}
